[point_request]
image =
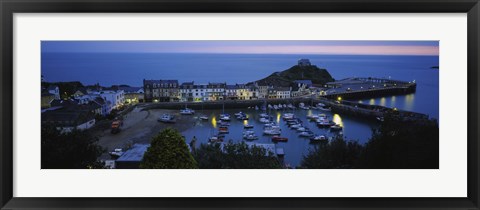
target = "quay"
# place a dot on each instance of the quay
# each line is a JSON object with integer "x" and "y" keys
{"x": 359, "y": 88}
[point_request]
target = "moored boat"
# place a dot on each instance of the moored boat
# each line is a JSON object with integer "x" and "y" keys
{"x": 336, "y": 127}
{"x": 187, "y": 111}
{"x": 166, "y": 118}
{"x": 247, "y": 126}
{"x": 318, "y": 138}
{"x": 306, "y": 134}
{"x": 279, "y": 138}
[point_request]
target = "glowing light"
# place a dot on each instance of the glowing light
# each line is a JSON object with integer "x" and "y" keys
{"x": 382, "y": 101}
{"x": 409, "y": 100}
{"x": 278, "y": 117}
{"x": 339, "y": 98}
{"x": 214, "y": 121}
{"x": 245, "y": 122}
{"x": 337, "y": 119}
{"x": 372, "y": 101}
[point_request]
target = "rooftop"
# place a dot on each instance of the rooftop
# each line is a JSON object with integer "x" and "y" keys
{"x": 135, "y": 153}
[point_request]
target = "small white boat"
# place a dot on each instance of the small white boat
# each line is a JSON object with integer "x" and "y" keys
{"x": 256, "y": 107}
{"x": 215, "y": 139}
{"x": 239, "y": 114}
{"x": 275, "y": 107}
{"x": 320, "y": 105}
{"x": 247, "y": 126}
{"x": 381, "y": 119}
{"x": 301, "y": 129}
{"x": 336, "y": 127}
{"x": 264, "y": 120}
{"x": 288, "y": 116}
{"x": 203, "y": 117}
{"x": 295, "y": 126}
{"x": 187, "y": 111}
{"x": 250, "y": 135}
{"x": 166, "y": 118}
{"x": 306, "y": 134}
{"x": 318, "y": 138}
{"x": 325, "y": 123}
{"x": 263, "y": 115}
{"x": 274, "y": 130}
{"x": 305, "y": 108}
{"x": 270, "y": 106}
{"x": 116, "y": 153}
{"x": 325, "y": 109}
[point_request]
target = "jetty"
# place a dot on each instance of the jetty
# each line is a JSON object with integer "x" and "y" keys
{"x": 359, "y": 88}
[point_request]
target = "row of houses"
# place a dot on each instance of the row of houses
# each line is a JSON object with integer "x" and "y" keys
{"x": 173, "y": 91}
{"x": 80, "y": 110}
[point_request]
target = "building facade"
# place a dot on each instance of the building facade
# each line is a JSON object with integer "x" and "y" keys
{"x": 161, "y": 90}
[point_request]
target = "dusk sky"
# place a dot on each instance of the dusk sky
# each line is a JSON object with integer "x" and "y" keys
{"x": 249, "y": 47}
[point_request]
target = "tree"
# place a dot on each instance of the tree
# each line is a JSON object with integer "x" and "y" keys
{"x": 73, "y": 150}
{"x": 235, "y": 156}
{"x": 168, "y": 150}
{"x": 335, "y": 154}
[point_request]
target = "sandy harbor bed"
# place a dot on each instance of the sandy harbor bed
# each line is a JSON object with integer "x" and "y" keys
{"x": 139, "y": 126}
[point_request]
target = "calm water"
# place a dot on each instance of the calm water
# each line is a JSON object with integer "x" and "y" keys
{"x": 131, "y": 69}
{"x": 296, "y": 147}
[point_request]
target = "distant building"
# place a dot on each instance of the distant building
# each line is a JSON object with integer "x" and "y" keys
{"x": 304, "y": 62}
{"x": 53, "y": 89}
{"x": 242, "y": 92}
{"x": 272, "y": 93}
{"x": 47, "y": 98}
{"x": 283, "y": 92}
{"x": 187, "y": 91}
{"x": 161, "y": 90}
{"x": 133, "y": 94}
{"x": 66, "y": 119}
{"x": 114, "y": 99}
{"x": 216, "y": 91}
{"x": 231, "y": 92}
{"x": 304, "y": 83}
{"x": 132, "y": 158}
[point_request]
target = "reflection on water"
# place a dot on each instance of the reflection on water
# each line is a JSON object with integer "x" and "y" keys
{"x": 214, "y": 122}
{"x": 245, "y": 122}
{"x": 278, "y": 117}
{"x": 392, "y": 101}
{"x": 337, "y": 119}
{"x": 409, "y": 101}
{"x": 382, "y": 101}
{"x": 372, "y": 101}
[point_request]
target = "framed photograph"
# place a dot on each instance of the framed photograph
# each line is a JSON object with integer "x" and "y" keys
{"x": 239, "y": 105}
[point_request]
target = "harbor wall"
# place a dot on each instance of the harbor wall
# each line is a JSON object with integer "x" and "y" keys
{"x": 375, "y": 93}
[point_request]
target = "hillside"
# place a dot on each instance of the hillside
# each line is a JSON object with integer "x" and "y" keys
{"x": 285, "y": 78}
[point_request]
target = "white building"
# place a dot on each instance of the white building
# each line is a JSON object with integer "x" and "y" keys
{"x": 55, "y": 91}
{"x": 283, "y": 92}
{"x": 114, "y": 99}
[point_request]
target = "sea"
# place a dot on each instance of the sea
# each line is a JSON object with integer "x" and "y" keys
{"x": 131, "y": 68}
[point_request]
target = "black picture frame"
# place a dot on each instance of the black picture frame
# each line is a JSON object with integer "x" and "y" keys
{"x": 10, "y": 7}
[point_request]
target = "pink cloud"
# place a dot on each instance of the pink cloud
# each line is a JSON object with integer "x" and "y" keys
{"x": 302, "y": 49}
